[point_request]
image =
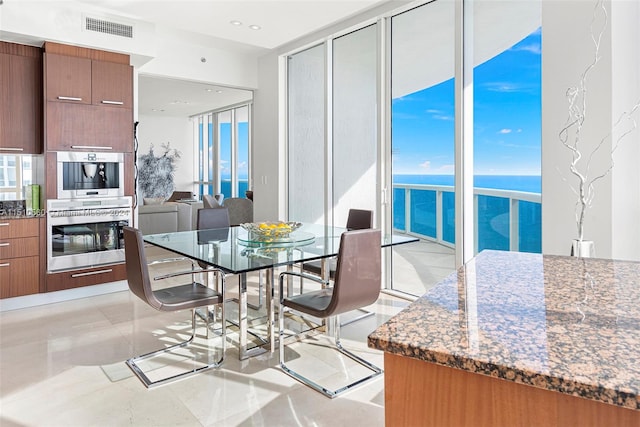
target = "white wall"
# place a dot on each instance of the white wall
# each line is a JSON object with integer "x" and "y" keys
{"x": 267, "y": 161}
{"x": 612, "y": 87}
{"x": 626, "y": 93}
{"x": 178, "y": 132}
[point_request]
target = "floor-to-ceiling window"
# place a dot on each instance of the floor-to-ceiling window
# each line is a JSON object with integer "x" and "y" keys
{"x": 224, "y": 146}
{"x": 242, "y": 150}
{"x": 330, "y": 167}
{"x": 507, "y": 114}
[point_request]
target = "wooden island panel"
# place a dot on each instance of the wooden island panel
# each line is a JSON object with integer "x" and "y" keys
{"x": 425, "y": 394}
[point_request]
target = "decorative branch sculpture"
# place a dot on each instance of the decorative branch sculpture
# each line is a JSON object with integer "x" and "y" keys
{"x": 155, "y": 176}
{"x": 571, "y": 133}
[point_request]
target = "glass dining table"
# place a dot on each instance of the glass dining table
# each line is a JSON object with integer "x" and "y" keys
{"x": 236, "y": 251}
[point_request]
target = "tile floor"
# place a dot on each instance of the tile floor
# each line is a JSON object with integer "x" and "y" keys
{"x": 62, "y": 364}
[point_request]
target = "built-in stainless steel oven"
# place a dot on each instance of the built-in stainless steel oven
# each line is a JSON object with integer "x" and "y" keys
{"x": 87, "y": 232}
{"x": 85, "y": 174}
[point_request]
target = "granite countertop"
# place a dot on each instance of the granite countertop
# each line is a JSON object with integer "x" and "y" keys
{"x": 565, "y": 324}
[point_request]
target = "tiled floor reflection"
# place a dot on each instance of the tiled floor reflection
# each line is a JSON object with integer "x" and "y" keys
{"x": 63, "y": 365}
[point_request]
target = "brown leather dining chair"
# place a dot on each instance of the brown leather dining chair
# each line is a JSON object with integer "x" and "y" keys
{"x": 357, "y": 219}
{"x": 190, "y": 295}
{"x": 357, "y": 284}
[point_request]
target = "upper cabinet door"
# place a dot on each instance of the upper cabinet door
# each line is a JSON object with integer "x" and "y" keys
{"x": 20, "y": 104}
{"x": 68, "y": 78}
{"x": 112, "y": 84}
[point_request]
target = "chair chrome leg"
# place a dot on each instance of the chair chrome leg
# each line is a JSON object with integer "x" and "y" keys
{"x": 132, "y": 363}
{"x": 338, "y": 346}
{"x": 365, "y": 314}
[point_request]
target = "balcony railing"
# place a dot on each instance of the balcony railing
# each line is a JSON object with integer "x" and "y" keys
{"x": 504, "y": 219}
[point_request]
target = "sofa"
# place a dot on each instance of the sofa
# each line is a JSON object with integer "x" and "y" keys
{"x": 167, "y": 217}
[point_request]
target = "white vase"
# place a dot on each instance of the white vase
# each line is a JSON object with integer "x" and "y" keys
{"x": 583, "y": 248}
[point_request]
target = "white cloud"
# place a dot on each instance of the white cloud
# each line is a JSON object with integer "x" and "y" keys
{"x": 502, "y": 87}
{"x": 504, "y": 131}
{"x": 442, "y": 170}
{"x": 532, "y": 48}
{"x": 438, "y": 114}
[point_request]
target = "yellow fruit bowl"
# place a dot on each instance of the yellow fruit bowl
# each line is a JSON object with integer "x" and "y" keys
{"x": 275, "y": 229}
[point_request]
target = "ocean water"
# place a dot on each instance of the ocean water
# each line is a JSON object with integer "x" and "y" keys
{"x": 225, "y": 187}
{"x": 493, "y": 221}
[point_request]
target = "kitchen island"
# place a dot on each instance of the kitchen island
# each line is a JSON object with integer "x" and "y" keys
{"x": 518, "y": 339}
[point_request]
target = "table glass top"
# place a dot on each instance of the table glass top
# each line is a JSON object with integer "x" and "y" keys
{"x": 232, "y": 250}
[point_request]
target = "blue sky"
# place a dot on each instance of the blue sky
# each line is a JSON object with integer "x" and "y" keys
{"x": 507, "y": 121}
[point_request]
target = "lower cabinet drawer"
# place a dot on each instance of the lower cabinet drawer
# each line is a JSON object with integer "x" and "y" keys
{"x": 15, "y": 248}
{"x": 19, "y": 276}
{"x": 87, "y": 277}
{"x": 18, "y": 228}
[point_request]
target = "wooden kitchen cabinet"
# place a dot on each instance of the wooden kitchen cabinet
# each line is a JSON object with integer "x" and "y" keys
{"x": 20, "y": 271}
{"x": 72, "y": 127}
{"x": 111, "y": 84}
{"x": 67, "y": 78}
{"x": 86, "y": 277}
{"x": 20, "y": 99}
{"x": 98, "y": 113}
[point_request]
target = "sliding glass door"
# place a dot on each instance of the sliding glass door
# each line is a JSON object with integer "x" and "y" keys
{"x": 372, "y": 125}
{"x": 422, "y": 145}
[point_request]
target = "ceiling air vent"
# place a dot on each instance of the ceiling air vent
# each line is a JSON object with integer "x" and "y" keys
{"x": 108, "y": 27}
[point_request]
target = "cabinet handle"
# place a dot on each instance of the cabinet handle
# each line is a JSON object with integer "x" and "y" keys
{"x": 69, "y": 98}
{"x": 90, "y": 147}
{"x": 2, "y": 245}
{"x": 91, "y": 273}
{"x": 11, "y": 149}
{"x": 6, "y": 264}
{"x": 4, "y": 224}
{"x": 104, "y": 101}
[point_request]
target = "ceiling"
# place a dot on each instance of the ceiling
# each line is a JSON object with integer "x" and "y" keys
{"x": 159, "y": 96}
{"x": 280, "y": 22}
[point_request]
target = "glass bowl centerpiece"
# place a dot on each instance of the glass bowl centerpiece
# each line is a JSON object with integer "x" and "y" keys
{"x": 271, "y": 229}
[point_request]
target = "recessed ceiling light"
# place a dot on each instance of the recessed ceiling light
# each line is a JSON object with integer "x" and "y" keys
{"x": 209, "y": 90}
{"x": 218, "y": 91}
{"x": 255, "y": 27}
{"x": 236, "y": 23}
